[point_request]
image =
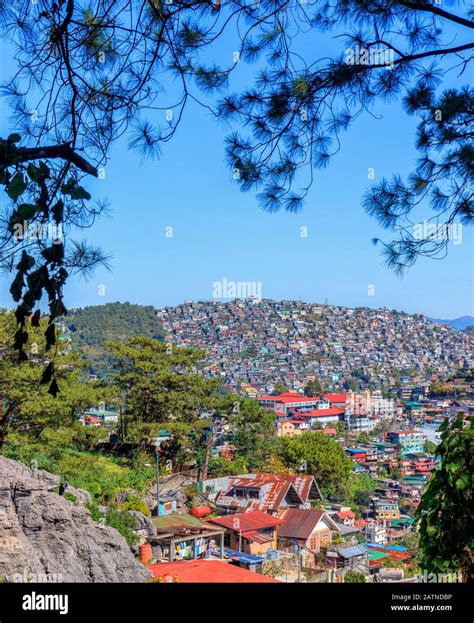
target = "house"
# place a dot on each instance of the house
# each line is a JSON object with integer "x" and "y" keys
{"x": 184, "y": 537}
{"x": 253, "y": 533}
{"x": 358, "y": 455}
{"x": 407, "y": 441}
{"x": 354, "y": 557}
{"x": 307, "y": 530}
{"x": 206, "y": 572}
{"x": 266, "y": 492}
{"x": 330, "y": 415}
{"x": 346, "y": 517}
{"x": 359, "y": 423}
{"x": 288, "y": 428}
{"x": 89, "y": 420}
{"x": 375, "y": 533}
{"x": 384, "y": 509}
{"x": 338, "y": 400}
{"x": 288, "y": 401}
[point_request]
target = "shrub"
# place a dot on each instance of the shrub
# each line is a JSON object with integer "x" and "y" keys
{"x": 135, "y": 503}
{"x": 124, "y": 523}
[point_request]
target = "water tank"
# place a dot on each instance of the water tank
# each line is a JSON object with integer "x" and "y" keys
{"x": 201, "y": 511}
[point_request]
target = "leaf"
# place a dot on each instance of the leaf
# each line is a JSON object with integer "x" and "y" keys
{"x": 14, "y": 138}
{"x": 50, "y": 335}
{"x": 35, "y": 319}
{"x": 28, "y": 210}
{"x": 26, "y": 262}
{"x": 79, "y": 193}
{"x": 53, "y": 389}
{"x": 17, "y": 186}
{"x": 58, "y": 211}
{"x": 47, "y": 374}
{"x": 74, "y": 191}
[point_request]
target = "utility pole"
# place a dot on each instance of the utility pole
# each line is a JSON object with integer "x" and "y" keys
{"x": 157, "y": 482}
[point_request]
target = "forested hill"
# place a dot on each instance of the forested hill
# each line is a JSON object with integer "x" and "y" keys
{"x": 90, "y": 327}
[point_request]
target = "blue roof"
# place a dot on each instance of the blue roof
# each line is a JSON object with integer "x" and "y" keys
{"x": 249, "y": 559}
{"x": 350, "y": 552}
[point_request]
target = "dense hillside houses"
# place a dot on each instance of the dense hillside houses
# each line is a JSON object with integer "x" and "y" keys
{"x": 253, "y": 345}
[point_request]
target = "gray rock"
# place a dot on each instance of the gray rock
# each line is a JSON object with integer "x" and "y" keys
{"x": 82, "y": 496}
{"x": 143, "y": 523}
{"x": 44, "y": 537}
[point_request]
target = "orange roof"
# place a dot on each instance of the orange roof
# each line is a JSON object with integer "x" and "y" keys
{"x": 207, "y": 572}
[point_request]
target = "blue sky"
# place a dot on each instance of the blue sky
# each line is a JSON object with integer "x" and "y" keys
{"x": 219, "y": 232}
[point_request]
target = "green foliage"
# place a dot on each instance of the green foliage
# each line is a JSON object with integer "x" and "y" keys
{"x": 70, "y": 496}
{"x": 68, "y": 452}
{"x": 446, "y": 509}
{"x": 313, "y": 388}
{"x": 123, "y": 522}
{"x": 429, "y": 447}
{"x": 317, "y": 454}
{"x": 225, "y": 467}
{"x": 28, "y": 403}
{"x": 354, "y": 577}
{"x": 135, "y": 503}
{"x": 96, "y": 513}
{"x": 280, "y": 388}
{"x": 92, "y": 326}
{"x": 254, "y": 436}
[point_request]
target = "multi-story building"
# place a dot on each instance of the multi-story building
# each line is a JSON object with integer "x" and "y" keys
{"x": 407, "y": 441}
{"x": 384, "y": 509}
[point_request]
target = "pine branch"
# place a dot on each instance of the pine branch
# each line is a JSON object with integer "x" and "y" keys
{"x": 17, "y": 155}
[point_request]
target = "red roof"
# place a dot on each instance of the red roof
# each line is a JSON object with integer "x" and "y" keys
{"x": 91, "y": 418}
{"x": 254, "y": 520}
{"x": 335, "y": 397}
{"x": 345, "y": 515}
{"x": 207, "y": 571}
{"x": 330, "y": 431}
{"x": 289, "y": 398}
{"x": 322, "y": 412}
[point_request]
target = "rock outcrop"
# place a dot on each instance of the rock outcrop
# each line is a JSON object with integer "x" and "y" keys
{"x": 45, "y": 537}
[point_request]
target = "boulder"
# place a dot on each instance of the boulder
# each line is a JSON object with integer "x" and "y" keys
{"x": 45, "y": 537}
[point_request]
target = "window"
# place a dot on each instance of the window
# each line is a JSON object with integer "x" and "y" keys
{"x": 246, "y": 493}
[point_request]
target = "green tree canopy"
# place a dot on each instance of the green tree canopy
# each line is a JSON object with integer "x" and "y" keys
{"x": 29, "y": 401}
{"x": 446, "y": 510}
{"x": 317, "y": 454}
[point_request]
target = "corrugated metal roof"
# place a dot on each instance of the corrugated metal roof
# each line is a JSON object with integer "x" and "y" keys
{"x": 299, "y": 522}
{"x": 207, "y": 571}
{"x": 255, "y": 520}
{"x": 350, "y": 552}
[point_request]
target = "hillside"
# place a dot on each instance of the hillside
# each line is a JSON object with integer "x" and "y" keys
{"x": 90, "y": 327}
{"x": 460, "y": 324}
{"x": 265, "y": 342}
